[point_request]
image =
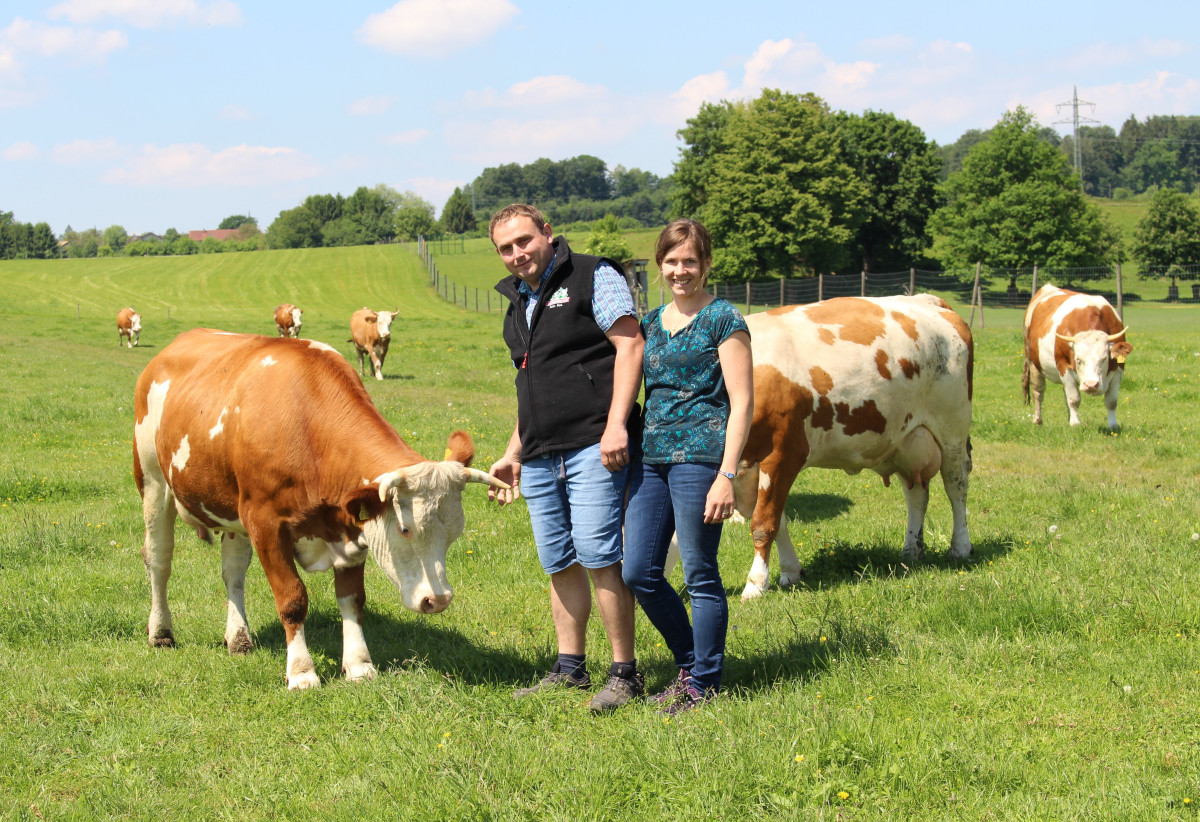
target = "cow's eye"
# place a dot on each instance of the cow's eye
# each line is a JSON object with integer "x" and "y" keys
{"x": 404, "y": 532}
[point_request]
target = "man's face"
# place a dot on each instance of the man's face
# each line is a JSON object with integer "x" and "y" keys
{"x": 525, "y": 251}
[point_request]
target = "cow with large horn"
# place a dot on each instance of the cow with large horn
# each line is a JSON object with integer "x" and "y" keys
{"x": 274, "y": 443}
{"x": 1076, "y": 340}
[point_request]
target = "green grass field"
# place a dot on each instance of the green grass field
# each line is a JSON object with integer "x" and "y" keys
{"x": 1052, "y": 677}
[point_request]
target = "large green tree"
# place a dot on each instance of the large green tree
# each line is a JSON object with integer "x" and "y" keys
{"x": 900, "y": 169}
{"x": 1168, "y": 237}
{"x": 1016, "y": 203}
{"x": 606, "y": 240}
{"x": 414, "y": 217}
{"x": 458, "y": 217}
{"x": 776, "y": 192}
{"x": 235, "y": 221}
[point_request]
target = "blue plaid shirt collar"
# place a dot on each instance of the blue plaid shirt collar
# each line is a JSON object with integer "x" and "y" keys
{"x": 524, "y": 289}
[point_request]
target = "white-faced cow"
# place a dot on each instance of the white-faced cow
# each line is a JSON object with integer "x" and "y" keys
{"x": 1076, "y": 340}
{"x": 129, "y": 327}
{"x": 274, "y": 443}
{"x": 288, "y": 320}
{"x": 371, "y": 333}
{"x": 853, "y": 383}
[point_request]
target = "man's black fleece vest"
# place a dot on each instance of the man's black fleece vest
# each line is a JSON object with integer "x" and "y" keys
{"x": 564, "y": 361}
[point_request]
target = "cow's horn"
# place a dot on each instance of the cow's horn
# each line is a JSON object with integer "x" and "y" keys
{"x": 389, "y": 482}
{"x": 475, "y": 475}
{"x": 1121, "y": 333}
{"x": 1064, "y": 338}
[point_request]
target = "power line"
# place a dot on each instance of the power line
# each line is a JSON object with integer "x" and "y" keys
{"x": 1075, "y": 120}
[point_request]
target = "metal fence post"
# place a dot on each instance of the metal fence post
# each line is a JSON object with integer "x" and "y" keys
{"x": 820, "y": 287}
{"x": 863, "y": 284}
{"x": 1120, "y": 295}
{"x": 912, "y": 281}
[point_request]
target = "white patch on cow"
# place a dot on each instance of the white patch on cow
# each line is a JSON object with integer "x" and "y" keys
{"x": 226, "y": 334}
{"x": 233, "y": 526}
{"x": 313, "y": 554}
{"x": 757, "y": 580}
{"x": 356, "y": 659}
{"x": 300, "y": 670}
{"x": 145, "y": 431}
{"x": 179, "y": 459}
{"x": 220, "y": 426}
{"x": 268, "y": 361}
{"x": 320, "y": 346}
{"x": 383, "y": 323}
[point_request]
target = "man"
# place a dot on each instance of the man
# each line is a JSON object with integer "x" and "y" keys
{"x": 574, "y": 338}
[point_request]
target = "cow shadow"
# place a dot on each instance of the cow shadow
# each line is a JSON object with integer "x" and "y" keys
{"x": 398, "y": 644}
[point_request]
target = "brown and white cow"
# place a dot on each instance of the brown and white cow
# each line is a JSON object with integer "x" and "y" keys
{"x": 371, "y": 333}
{"x": 1076, "y": 340}
{"x": 129, "y": 327}
{"x": 854, "y": 383}
{"x": 288, "y": 320}
{"x": 274, "y": 443}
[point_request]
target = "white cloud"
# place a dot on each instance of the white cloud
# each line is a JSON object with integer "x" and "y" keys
{"x": 21, "y": 150}
{"x": 435, "y": 28}
{"x": 405, "y": 138}
{"x": 372, "y": 105}
{"x": 537, "y": 93}
{"x": 149, "y": 14}
{"x": 235, "y": 112}
{"x": 192, "y": 165}
{"x": 25, "y": 36}
{"x": 87, "y": 151}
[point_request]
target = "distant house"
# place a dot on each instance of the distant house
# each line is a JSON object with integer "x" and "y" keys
{"x": 148, "y": 237}
{"x": 221, "y": 234}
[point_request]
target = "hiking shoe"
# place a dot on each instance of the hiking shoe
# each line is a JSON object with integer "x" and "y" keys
{"x": 692, "y": 697}
{"x": 619, "y": 691}
{"x": 553, "y": 680}
{"x": 675, "y": 691}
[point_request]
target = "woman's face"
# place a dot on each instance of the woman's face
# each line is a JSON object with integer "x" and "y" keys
{"x": 684, "y": 271}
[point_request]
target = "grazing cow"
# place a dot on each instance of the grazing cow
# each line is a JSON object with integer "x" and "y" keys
{"x": 1076, "y": 340}
{"x": 288, "y": 320}
{"x": 275, "y": 443}
{"x": 856, "y": 383}
{"x": 371, "y": 333}
{"x": 129, "y": 327}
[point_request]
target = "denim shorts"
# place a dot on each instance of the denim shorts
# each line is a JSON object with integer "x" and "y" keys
{"x": 576, "y": 506}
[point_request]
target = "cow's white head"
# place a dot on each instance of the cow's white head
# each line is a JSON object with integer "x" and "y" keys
{"x": 296, "y": 318}
{"x": 135, "y": 323}
{"x": 1091, "y": 351}
{"x": 383, "y": 323}
{"x": 410, "y": 523}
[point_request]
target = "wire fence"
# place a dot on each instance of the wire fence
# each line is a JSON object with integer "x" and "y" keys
{"x": 982, "y": 287}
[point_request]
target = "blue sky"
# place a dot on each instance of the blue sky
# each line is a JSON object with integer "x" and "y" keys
{"x": 153, "y": 114}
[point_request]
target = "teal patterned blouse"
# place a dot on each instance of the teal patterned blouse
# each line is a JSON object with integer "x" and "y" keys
{"x": 687, "y": 406}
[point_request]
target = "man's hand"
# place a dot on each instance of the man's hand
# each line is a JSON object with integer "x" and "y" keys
{"x": 614, "y": 447}
{"x": 506, "y": 470}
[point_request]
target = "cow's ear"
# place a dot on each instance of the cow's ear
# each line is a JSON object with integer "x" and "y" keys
{"x": 1121, "y": 350}
{"x": 372, "y": 318}
{"x": 460, "y": 448}
{"x": 364, "y": 503}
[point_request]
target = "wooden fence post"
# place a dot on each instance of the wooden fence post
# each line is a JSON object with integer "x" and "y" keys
{"x": 862, "y": 288}
{"x": 820, "y": 287}
{"x": 1120, "y": 295}
{"x": 782, "y": 291}
{"x": 1033, "y": 287}
{"x": 912, "y": 281}
{"x": 747, "y": 296}
{"x": 975, "y": 295}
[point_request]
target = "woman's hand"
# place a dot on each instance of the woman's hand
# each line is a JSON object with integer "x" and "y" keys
{"x": 718, "y": 506}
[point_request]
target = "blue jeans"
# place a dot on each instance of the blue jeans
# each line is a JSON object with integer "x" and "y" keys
{"x": 667, "y": 499}
{"x": 575, "y": 506}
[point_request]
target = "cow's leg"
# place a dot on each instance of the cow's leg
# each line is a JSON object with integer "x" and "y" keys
{"x": 916, "y": 495}
{"x": 136, "y": 338}
{"x": 351, "y": 596}
{"x": 1037, "y": 389}
{"x": 377, "y": 365}
{"x": 956, "y": 469}
{"x": 1071, "y": 390}
{"x": 1110, "y": 399}
{"x": 291, "y": 601}
{"x": 768, "y": 512}
{"x": 236, "y": 554}
{"x": 789, "y": 564}
{"x": 158, "y": 512}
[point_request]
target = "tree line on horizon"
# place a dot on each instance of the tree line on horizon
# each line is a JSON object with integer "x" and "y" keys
{"x": 788, "y": 187}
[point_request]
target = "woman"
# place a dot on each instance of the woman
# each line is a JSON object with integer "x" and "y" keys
{"x": 699, "y": 402}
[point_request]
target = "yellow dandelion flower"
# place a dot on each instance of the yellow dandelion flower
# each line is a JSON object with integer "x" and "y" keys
{"x": 799, "y": 757}
{"x": 843, "y": 795}
{"x": 822, "y": 639}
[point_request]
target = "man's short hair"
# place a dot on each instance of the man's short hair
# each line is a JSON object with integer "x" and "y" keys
{"x": 516, "y": 210}
{"x": 683, "y": 231}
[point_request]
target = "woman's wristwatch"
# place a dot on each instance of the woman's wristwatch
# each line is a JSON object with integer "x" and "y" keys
{"x": 728, "y": 474}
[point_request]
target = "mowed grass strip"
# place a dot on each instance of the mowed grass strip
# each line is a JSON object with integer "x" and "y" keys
{"x": 1052, "y": 677}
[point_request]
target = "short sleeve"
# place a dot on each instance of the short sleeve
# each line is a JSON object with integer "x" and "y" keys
{"x": 611, "y": 299}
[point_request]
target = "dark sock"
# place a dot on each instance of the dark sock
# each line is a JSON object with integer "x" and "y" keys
{"x": 625, "y": 670}
{"x": 571, "y": 665}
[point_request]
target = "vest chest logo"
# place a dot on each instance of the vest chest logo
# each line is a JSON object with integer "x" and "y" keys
{"x": 560, "y": 297}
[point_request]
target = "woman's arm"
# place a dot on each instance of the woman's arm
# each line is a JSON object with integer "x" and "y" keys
{"x": 737, "y": 367}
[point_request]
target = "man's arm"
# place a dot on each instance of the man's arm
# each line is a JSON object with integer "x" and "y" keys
{"x": 508, "y": 469}
{"x": 625, "y": 335}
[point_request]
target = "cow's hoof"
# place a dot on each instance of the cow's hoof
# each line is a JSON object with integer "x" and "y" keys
{"x": 304, "y": 681}
{"x": 167, "y": 641}
{"x": 787, "y": 580}
{"x": 361, "y": 672}
{"x": 240, "y": 643}
{"x": 751, "y": 591}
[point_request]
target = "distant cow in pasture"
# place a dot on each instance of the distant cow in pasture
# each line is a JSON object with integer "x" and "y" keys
{"x": 371, "y": 333}
{"x": 853, "y": 383}
{"x": 1076, "y": 340}
{"x": 288, "y": 320}
{"x": 129, "y": 327}
{"x": 274, "y": 443}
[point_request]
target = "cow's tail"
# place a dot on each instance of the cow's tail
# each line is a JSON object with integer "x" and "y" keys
{"x": 1025, "y": 377}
